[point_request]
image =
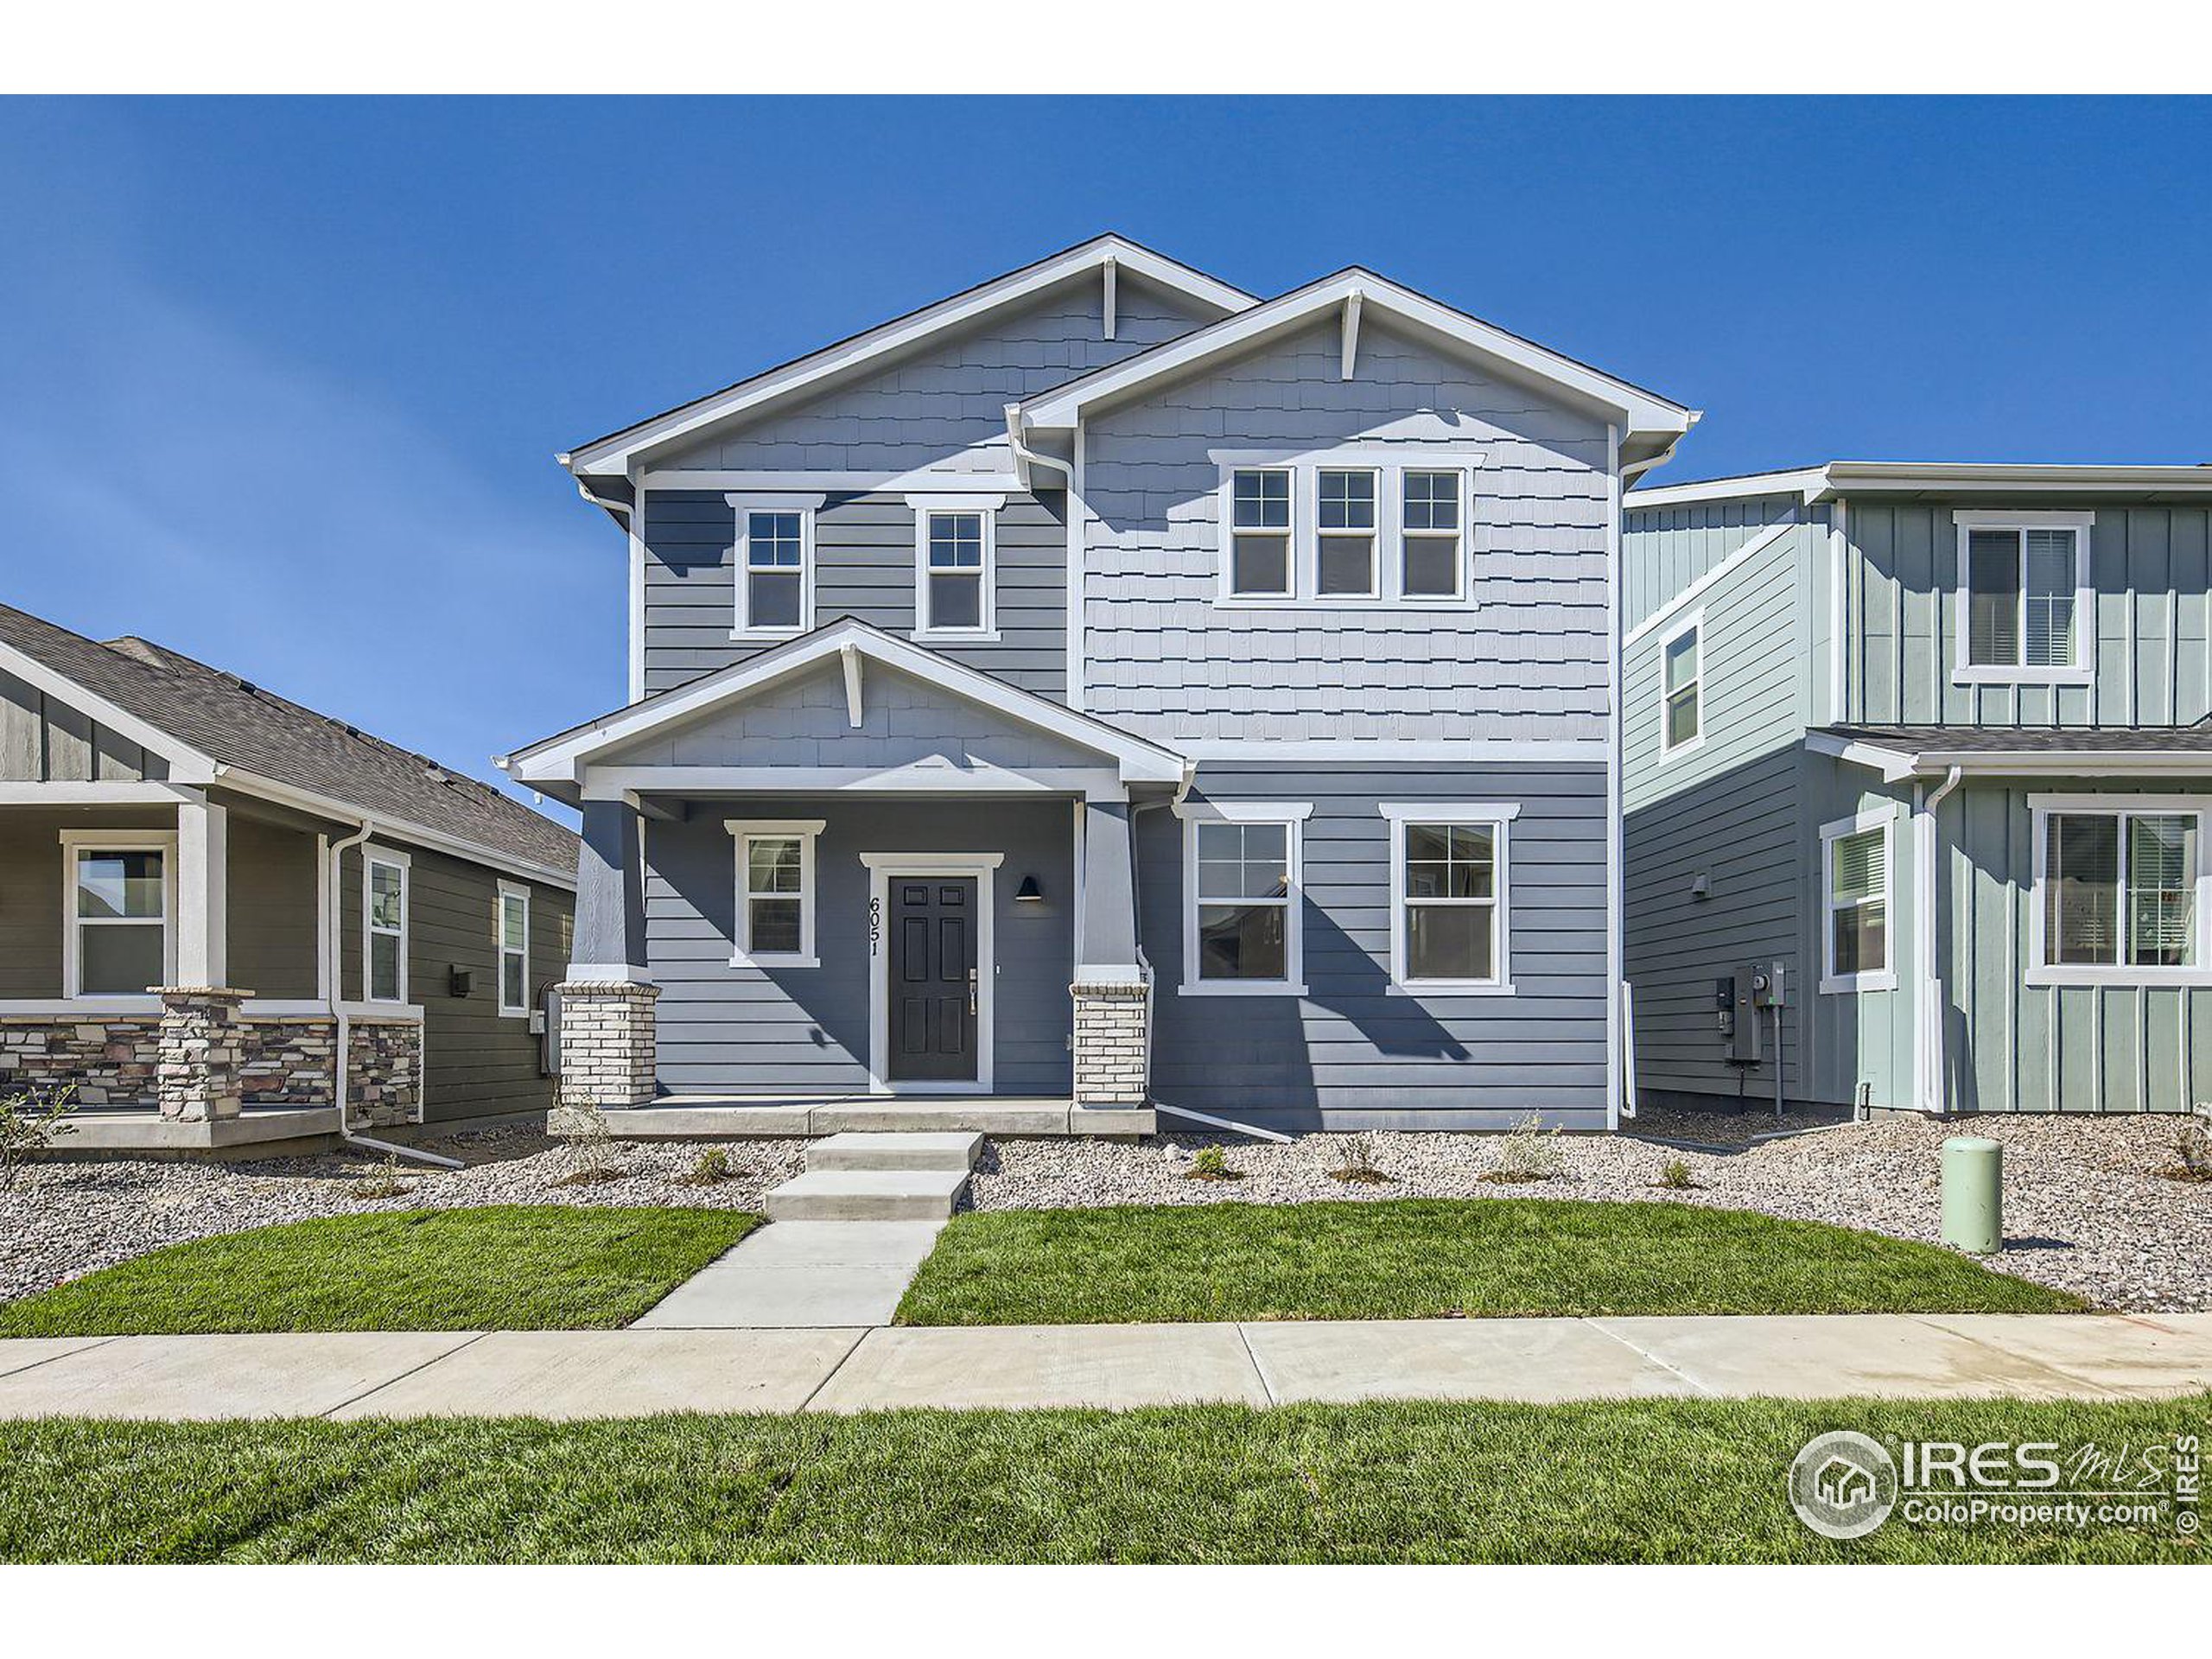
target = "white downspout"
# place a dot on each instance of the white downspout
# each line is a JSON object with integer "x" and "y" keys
{"x": 1028, "y": 457}
{"x": 1928, "y": 1022}
{"x": 334, "y": 967}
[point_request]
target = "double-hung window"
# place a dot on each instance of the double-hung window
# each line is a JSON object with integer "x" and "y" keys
{"x": 1681, "y": 687}
{"x": 1433, "y": 564}
{"x": 956, "y": 558}
{"x": 775, "y": 892}
{"x": 1345, "y": 566}
{"x": 1856, "y": 899}
{"x": 1242, "y": 928}
{"x": 514, "y": 948}
{"x": 118, "y": 904}
{"x": 2023, "y": 602}
{"x": 775, "y": 565}
{"x": 2121, "y": 891}
{"x": 1260, "y": 563}
{"x": 384, "y": 925}
{"x": 1448, "y": 920}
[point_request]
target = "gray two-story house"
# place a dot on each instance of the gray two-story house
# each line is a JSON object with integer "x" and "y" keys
{"x": 1931, "y": 739}
{"x": 1105, "y": 688}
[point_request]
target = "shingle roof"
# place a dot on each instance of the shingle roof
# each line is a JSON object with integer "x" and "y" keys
{"x": 2032, "y": 740}
{"x": 237, "y": 724}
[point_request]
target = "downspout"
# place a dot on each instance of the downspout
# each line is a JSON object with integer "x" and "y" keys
{"x": 334, "y": 968}
{"x": 624, "y": 508}
{"x": 1026, "y": 456}
{"x": 1929, "y": 1022}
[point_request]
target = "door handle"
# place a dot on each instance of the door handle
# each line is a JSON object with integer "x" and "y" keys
{"x": 971, "y": 990}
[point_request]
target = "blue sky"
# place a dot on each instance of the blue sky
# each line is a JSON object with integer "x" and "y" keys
{"x": 280, "y": 382}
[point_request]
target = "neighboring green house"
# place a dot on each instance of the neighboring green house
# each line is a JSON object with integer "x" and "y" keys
{"x": 227, "y": 920}
{"x": 1931, "y": 739}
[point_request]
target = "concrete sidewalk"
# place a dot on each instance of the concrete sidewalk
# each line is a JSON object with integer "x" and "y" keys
{"x": 575, "y": 1374}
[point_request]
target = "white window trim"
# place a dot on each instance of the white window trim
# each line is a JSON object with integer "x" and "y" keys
{"x": 744, "y": 505}
{"x": 1497, "y": 816}
{"x": 1693, "y": 623}
{"x": 1390, "y": 463}
{"x": 744, "y": 829}
{"x": 73, "y": 842}
{"x": 2082, "y": 670}
{"x": 948, "y": 502}
{"x": 1884, "y": 818}
{"x": 1291, "y": 814}
{"x": 2040, "y": 970}
{"x": 500, "y": 948}
{"x": 372, "y": 855}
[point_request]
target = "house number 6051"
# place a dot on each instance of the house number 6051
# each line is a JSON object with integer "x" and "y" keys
{"x": 875, "y": 924}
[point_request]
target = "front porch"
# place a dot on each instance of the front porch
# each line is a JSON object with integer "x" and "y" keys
{"x": 705, "y": 1118}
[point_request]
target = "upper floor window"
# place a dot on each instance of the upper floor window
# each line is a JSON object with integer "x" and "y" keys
{"x": 1345, "y": 507}
{"x": 1681, "y": 688}
{"x": 384, "y": 926}
{"x": 2121, "y": 897}
{"x": 513, "y": 942}
{"x": 1855, "y": 886}
{"x": 1260, "y": 535}
{"x": 2024, "y": 598}
{"x": 118, "y": 940}
{"x": 1241, "y": 930}
{"x": 1431, "y": 565}
{"x": 956, "y": 560}
{"x": 1448, "y": 911}
{"x": 775, "y": 565}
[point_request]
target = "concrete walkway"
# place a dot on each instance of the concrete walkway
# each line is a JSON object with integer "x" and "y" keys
{"x": 799, "y": 1275}
{"x": 575, "y": 1374}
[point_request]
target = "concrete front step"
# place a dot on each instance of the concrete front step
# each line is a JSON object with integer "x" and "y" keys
{"x": 867, "y": 1195}
{"x": 855, "y": 1149}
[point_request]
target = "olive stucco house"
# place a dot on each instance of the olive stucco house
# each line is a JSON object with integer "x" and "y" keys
{"x": 1932, "y": 739}
{"x": 227, "y": 921}
{"x": 1107, "y": 689}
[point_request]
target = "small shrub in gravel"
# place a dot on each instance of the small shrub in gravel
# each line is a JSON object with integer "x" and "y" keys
{"x": 1526, "y": 1154}
{"x": 591, "y": 1149}
{"x": 1676, "y": 1177}
{"x": 29, "y": 1126}
{"x": 710, "y": 1168}
{"x": 1357, "y": 1164}
{"x": 2194, "y": 1149}
{"x": 1211, "y": 1164}
{"x": 384, "y": 1183}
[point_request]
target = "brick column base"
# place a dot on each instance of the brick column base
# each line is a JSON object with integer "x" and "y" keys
{"x": 1111, "y": 1065}
{"x": 606, "y": 1043}
{"x": 200, "y": 1055}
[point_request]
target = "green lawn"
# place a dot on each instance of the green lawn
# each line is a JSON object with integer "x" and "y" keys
{"x": 506, "y": 1268}
{"x": 1652, "y": 1480}
{"x": 1423, "y": 1258}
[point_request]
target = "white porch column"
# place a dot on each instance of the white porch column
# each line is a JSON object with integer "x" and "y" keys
{"x": 202, "y": 892}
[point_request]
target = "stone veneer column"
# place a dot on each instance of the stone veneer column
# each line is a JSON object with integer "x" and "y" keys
{"x": 1112, "y": 1067}
{"x": 201, "y": 1053}
{"x": 607, "y": 1057}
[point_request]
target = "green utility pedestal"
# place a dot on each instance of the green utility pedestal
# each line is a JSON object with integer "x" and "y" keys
{"x": 1973, "y": 1203}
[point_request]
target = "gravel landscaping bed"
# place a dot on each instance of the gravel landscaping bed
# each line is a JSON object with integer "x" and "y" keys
{"x": 2082, "y": 1210}
{"x": 65, "y": 1219}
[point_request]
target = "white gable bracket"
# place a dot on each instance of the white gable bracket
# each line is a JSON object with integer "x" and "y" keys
{"x": 850, "y": 655}
{"x": 1107, "y": 270}
{"x": 1351, "y": 335}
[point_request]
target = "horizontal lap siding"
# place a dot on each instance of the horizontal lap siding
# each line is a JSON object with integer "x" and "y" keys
{"x": 725, "y": 1029}
{"x": 2149, "y": 572}
{"x": 1163, "y": 656}
{"x": 1665, "y": 549}
{"x": 271, "y": 890}
{"x": 1352, "y": 1047}
{"x": 864, "y": 568}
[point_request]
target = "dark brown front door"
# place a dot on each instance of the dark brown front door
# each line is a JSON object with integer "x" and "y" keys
{"x": 933, "y": 978}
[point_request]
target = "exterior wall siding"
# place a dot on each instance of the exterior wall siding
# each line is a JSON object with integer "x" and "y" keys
{"x": 864, "y": 568}
{"x": 745, "y": 1030}
{"x": 1164, "y": 658}
{"x": 1664, "y": 550}
{"x": 1355, "y": 1052}
{"x": 45, "y": 740}
{"x": 270, "y": 892}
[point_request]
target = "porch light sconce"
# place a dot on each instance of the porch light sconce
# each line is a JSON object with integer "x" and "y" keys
{"x": 1028, "y": 893}
{"x": 459, "y": 982}
{"x": 1700, "y": 886}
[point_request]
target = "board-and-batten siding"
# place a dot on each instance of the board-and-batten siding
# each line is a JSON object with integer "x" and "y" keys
{"x": 944, "y": 407}
{"x": 1665, "y": 549}
{"x": 1165, "y": 658}
{"x": 2149, "y": 571}
{"x": 864, "y": 568}
{"x": 44, "y": 741}
{"x": 1354, "y": 1053}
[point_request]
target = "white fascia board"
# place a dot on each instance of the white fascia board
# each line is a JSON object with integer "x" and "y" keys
{"x": 1953, "y": 478}
{"x": 562, "y": 759}
{"x": 1062, "y": 408}
{"x": 186, "y": 764}
{"x": 1805, "y": 482}
{"x": 1893, "y": 764}
{"x": 402, "y": 829}
{"x": 613, "y": 456}
{"x": 1897, "y": 764}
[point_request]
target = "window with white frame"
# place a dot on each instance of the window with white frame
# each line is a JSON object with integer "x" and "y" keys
{"x": 119, "y": 904}
{"x": 1856, "y": 899}
{"x": 775, "y": 564}
{"x": 1261, "y": 562}
{"x": 1448, "y": 921}
{"x": 1242, "y": 928}
{"x": 2120, "y": 889}
{"x": 2023, "y": 603}
{"x": 1681, "y": 687}
{"x": 1432, "y": 564}
{"x": 1344, "y": 563}
{"x": 384, "y": 926}
{"x": 955, "y": 582}
{"x": 775, "y": 892}
{"x": 514, "y": 948}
